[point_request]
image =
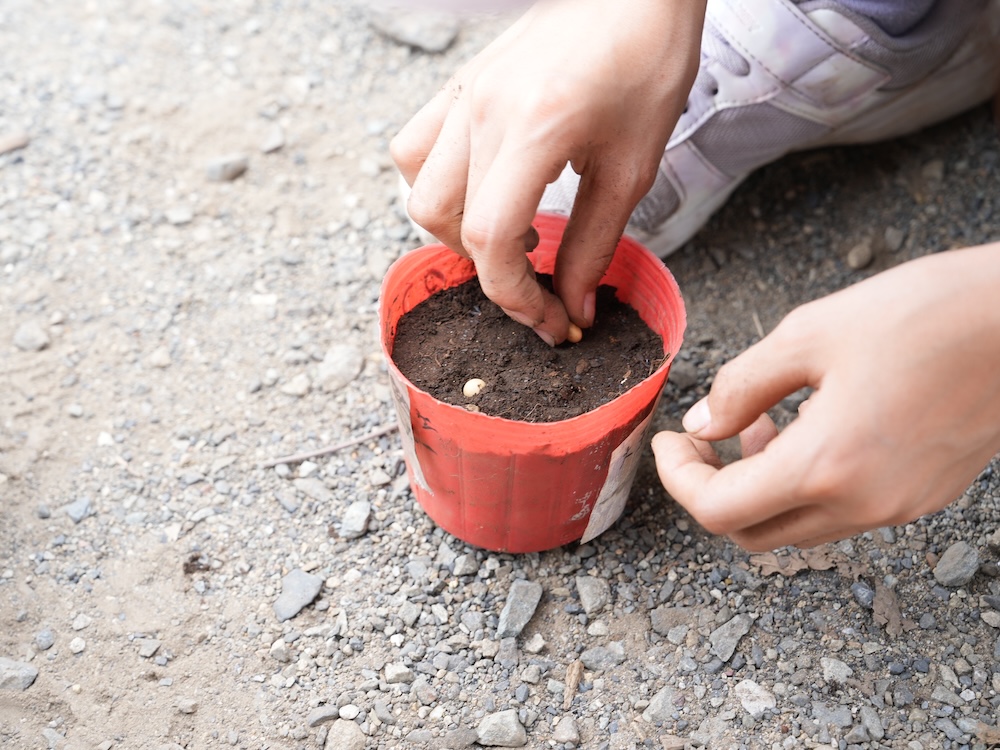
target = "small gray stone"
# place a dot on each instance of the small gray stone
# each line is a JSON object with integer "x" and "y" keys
{"x": 872, "y": 723}
{"x": 460, "y": 738}
{"x": 354, "y": 524}
{"x": 187, "y": 705}
{"x": 431, "y": 31}
{"x": 835, "y": 671}
{"x": 957, "y": 565}
{"x": 345, "y": 735}
{"x": 466, "y": 565}
{"x": 313, "y": 487}
{"x": 384, "y": 713}
{"x": 502, "y": 729}
{"x": 298, "y": 386}
{"x": 78, "y": 509}
{"x": 273, "y": 141}
{"x": 661, "y": 707}
{"x": 754, "y": 698}
{"x": 863, "y": 594}
{"x": 594, "y": 593}
{"x": 322, "y": 714}
{"x": 13, "y": 141}
{"x": 566, "y": 731}
{"x": 341, "y": 364}
{"x": 894, "y": 239}
{"x": 77, "y": 645}
{"x": 180, "y": 215}
{"x": 227, "y": 168}
{"x": 31, "y": 337}
{"x": 298, "y": 589}
{"x": 839, "y": 716}
{"x": 601, "y": 658}
{"x": 147, "y": 647}
{"x": 280, "y": 652}
{"x": 44, "y": 639}
{"x": 857, "y": 735}
{"x": 398, "y": 673}
{"x": 16, "y": 675}
{"x": 521, "y": 602}
{"x": 726, "y": 638}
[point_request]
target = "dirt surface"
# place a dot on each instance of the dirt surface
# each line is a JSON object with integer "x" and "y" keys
{"x": 458, "y": 334}
{"x": 175, "y": 333}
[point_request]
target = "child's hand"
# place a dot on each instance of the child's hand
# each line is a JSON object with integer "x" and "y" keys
{"x": 596, "y": 83}
{"x": 906, "y": 412}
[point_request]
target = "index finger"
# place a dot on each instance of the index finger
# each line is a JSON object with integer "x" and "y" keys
{"x": 497, "y": 219}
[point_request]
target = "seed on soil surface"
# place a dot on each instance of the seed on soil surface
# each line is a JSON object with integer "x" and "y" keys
{"x": 574, "y": 335}
{"x": 473, "y": 387}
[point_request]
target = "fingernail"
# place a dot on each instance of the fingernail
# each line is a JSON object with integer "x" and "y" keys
{"x": 589, "y": 306}
{"x": 698, "y": 417}
{"x": 545, "y": 336}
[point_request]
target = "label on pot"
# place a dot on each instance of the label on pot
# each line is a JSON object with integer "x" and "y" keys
{"x": 621, "y": 473}
{"x": 401, "y": 399}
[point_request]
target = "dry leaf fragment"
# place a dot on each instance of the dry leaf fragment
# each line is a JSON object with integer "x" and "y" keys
{"x": 886, "y": 610}
{"x": 990, "y": 736}
{"x": 573, "y": 674}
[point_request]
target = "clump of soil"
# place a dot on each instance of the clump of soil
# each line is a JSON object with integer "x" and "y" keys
{"x": 458, "y": 334}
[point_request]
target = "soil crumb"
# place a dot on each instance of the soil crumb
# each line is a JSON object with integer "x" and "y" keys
{"x": 458, "y": 334}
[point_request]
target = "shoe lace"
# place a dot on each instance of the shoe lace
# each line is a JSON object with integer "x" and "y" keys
{"x": 714, "y": 47}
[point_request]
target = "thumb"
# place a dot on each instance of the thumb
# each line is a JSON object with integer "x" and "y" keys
{"x": 747, "y": 386}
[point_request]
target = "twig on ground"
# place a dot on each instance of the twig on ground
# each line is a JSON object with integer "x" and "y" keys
{"x": 300, "y": 457}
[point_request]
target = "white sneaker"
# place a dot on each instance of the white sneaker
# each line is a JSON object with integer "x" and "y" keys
{"x": 778, "y": 77}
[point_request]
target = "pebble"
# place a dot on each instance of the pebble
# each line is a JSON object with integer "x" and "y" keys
{"x": 314, "y": 488}
{"x": 835, "y": 671}
{"x": 77, "y": 645}
{"x": 226, "y": 168}
{"x": 13, "y": 141}
{"x": 600, "y": 658}
{"x": 16, "y": 675}
{"x": 31, "y": 337}
{"x": 466, "y": 565}
{"x": 428, "y": 30}
{"x": 298, "y": 386}
{"x": 863, "y": 594}
{"x": 860, "y": 256}
{"x": 298, "y": 590}
{"x": 754, "y": 698}
{"x": 44, "y": 639}
{"x": 398, "y": 673}
{"x": 594, "y": 593}
{"x": 354, "y": 523}
{"x": 661, "y": 707}
{"x": 566, "y": 731}
{"x": 725, "y": 639}
{"x": 322, "y": 714}
{"x": 81, "y": 621}
{"x": 957, "y": 565}
{"x": 273, "y": 141}
{"x": 345, "y": 735}
{"x": 521, "y": 602}
{"x": 894, "y": 239}
{"x": 160, "y": 358}
{"x": 180, "y": 215}
{"x": 187, "y": 706}
{"x": 78, "y": 509}
{"x": 503, "y": 729}
{"x": 148, "y": 647}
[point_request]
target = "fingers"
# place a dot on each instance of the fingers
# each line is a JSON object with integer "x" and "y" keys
{"x": 756, "y": 380}
{"x": 756, "y": 437}
{"x": 603, "y": 204}
{"x": 411, "y": 146}
{"x": 496, "y": 230}
{"x": 732, "y": 498}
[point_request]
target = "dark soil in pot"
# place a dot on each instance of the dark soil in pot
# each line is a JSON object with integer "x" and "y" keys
{"x": 458, "y": 334}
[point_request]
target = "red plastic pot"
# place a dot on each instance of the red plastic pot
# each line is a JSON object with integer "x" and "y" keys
{"x": 513, "y": 486}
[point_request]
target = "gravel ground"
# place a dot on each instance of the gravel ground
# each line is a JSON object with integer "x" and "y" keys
{"x": 196, "y": 209}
